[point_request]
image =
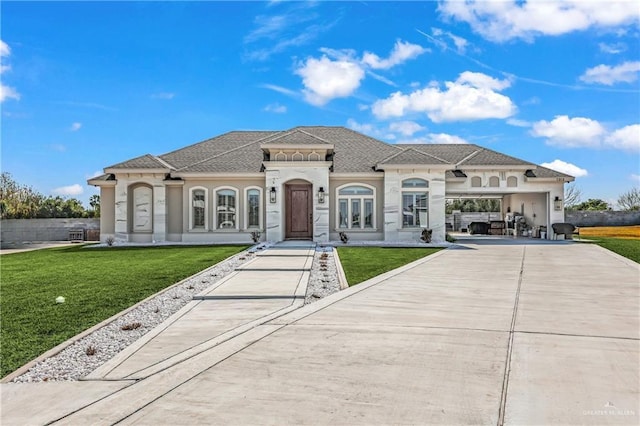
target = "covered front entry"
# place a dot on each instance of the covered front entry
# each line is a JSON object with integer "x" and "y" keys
{"x": 299, "y": 211}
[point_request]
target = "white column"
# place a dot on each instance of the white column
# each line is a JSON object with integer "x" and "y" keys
{"x": 437, "y": 217}
{"x": 274, "y": 211}
{"x": 391, "y": 205}
{"x": 159, "y": 213}
{"x": 121, "y": 216}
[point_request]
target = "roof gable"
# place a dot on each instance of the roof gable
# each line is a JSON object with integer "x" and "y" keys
{"x": 146, "y": 161}
{"x": 412, "y": 156}
{"x": 295, "y": 137}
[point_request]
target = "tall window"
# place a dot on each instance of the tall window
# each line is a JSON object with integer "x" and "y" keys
{"x": 512, "y": 181}
{"x": 226, "y": 208}
{"x": 356, "y": 207}
{"x": 415, "y": 203}
{"x": 494, "y": 182}
{"x": 198, "y": 208}
{"x": 476, "y": 182}
{"x": 253, "y": 208}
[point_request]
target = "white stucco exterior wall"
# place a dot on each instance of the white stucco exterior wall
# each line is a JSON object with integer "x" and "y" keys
{"x": 393, "y": 230}
{"x": 277, "y": 175}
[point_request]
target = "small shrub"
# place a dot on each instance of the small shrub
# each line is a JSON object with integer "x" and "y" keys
{"x": 91, "y": 350}
{"x": 131, "y": 326}
{"x": 255, "y": 236}
{"x": 110, "y": 241}
{"x": 324, "y": 256}
{"x": 449, "y": 238}
{"x": 344, "y": 237}
{"x": 426, "y": 235}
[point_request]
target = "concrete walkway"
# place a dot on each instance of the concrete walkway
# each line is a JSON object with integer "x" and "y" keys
{"x": 484, "y": 334}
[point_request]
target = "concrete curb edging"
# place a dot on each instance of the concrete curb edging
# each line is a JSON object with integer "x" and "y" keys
{"x": 62, "y": 346}
{"x": 342, "y": 278}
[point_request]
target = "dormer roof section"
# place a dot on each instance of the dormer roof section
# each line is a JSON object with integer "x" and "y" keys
{"x": 296, "y": 139}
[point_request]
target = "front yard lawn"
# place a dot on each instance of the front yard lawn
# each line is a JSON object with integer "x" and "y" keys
{"x": 626, "y": 247}
{"x": 362, "y": 263}
{"x": 97, "y": 283}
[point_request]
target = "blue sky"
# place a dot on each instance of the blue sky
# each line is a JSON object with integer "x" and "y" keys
{"x": 89, "y": 84}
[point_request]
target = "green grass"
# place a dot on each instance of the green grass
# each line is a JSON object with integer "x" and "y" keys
{"x": 362, "y": 263}
{"x": 97, "y": 283}
{"x": 625, "y": 247}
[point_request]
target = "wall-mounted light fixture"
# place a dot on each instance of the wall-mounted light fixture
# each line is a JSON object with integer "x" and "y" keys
{"x": 321, "y": 195}
{"x": 557, "y": 204}
{"x": 272, "y": 194}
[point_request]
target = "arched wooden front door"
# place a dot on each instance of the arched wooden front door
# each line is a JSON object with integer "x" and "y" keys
{"x": 299, "y": 211}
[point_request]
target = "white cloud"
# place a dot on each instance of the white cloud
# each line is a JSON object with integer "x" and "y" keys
{"x": 568, "y": 132}
{"x": 405, "y": 128}
{"x": 75, "y": 127}
{"x": 471, "y": 97}
{"x": 4, "y": 49}
{"x": 445, "y": 138}
{"x": 505, "y": 20}
{"x": 276, "y": 108}
{"x": 325, "y": 79}
{"x": 518, "y": 123}
{"x": 279, "y": 89}
{"x": 567, "y": 168}
{"x": 626, "y": 138}
{"x": 627, "y": 72}
{"x": 612, "y": 48}
{"x": 402, "y": 52}
{"x": 58, "y": 147}
{"x": 7, "y": 92}
{"x": 483, "y": 81}
{"x": 459, "y": 42}
{"x": 163, "y": 95}
{"x": 370, "y": 129}
{"x": 635, "y": 177}
{"x": 75, "y": 189}
{"x": 435, "y": 138}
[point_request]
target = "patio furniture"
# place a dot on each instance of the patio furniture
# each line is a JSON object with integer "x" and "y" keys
{"x": 565, "y": 229}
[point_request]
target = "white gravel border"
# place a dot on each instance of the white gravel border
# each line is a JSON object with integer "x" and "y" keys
{"x": 71, "y": 363}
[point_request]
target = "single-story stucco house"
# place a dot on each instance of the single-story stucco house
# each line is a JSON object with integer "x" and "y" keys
{"x": 313, "y": 183}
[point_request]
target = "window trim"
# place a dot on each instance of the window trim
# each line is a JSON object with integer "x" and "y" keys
{"x": 492, "y": 180}
{"x": 206, "y": 208}
{"x": 414, "y": 190}
{"x": 476, "y": 178}
{"x": 215, "y": 208}
{"x": 512, "y": 179}
{"x": 362, "y": 199}
{"x": 260, "y": 206}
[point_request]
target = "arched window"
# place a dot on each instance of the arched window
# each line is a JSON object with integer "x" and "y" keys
{"x": 415, "y": 203}
{"x": 415, "y": 183}
{"x": 253, "y": 208}
{"x": 226, "y": 208}
{"x": 476, "y": 182}
{"x": 494, "y": 182}
{"x": 281, "y": 156}
{"x": 356, "y": 207}
{"x": 142, "y": 209}
{"x": 199, "y": 209}
{"x": 297, "y": 157}
{"x": 512, "y": 181}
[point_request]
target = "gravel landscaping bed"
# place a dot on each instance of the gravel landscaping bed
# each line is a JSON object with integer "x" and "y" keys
{"x": 88, "y": 353}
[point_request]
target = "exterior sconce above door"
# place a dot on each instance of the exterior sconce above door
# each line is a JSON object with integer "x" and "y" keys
{"x": 321, "y": 195}
{"x": 272, "y": 194}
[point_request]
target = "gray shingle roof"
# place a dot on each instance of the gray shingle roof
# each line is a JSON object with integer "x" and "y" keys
{"x": 295, "y": 137}
{"x": 146, "y": 161}
{"x": 240, "y": 152}
{"x": 412, "y": 156}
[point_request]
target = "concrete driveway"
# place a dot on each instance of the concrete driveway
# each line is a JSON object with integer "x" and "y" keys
{"x": 483, "y": 334}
